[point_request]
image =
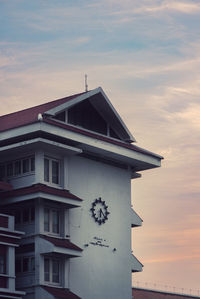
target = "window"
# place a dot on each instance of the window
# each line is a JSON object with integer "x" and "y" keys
{"x": 24, "y": 264}
{"x": 51, "y": 170}
{"x": 52, "y": 268}
{"x": 2, "y": 171}
{"x": 25, "y": 166}
{"x": 24, "y": 215}
{"x": 17, "y": 167}
{"x": 3, "y": 251}
{"x": 18, "y": 265}
{"x": 61, "y": 116}
{"x": 2, "y": 264}
{"x": 52, "y": 220}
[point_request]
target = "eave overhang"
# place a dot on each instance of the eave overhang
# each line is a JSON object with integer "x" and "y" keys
{"x": 90, "y": 143}
{"x": 5, "y": 293}
{"x": 135, "y": 219}
{"x": 4, "y": 186}
{"x": 55, "y": 246}
{"x": 136, "y": 266}
{"x": 60, "y": 293}
{"x": 40, "y": 191}
{"x": 33, "y": 144}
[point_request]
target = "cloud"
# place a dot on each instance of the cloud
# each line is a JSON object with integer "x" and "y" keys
{"x": 153, "y": 8}
{"x": 169, "y": 259}
{"x": 182, "y": 7}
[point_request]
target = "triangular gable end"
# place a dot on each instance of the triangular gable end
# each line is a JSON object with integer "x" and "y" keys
{"x": 100, "y": 113}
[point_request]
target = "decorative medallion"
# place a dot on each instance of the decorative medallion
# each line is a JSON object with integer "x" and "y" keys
{"x": 99, "y": 211}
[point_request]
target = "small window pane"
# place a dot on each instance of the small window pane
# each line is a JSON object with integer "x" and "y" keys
{"x": 25, "y": 215}
{"x": 46, "y": 270}
{"x": 46, "y": 219}
{"x": 32, "y": 164}
{"x": 18, "y": 266}
{"x": 55, "y": 172}
{"x": 17, "y": 216}
{"x": 2, "y": 263}
{"x": 55, "y": 225}
{"x": 17, "y": 167}
{"x": 25, "y": 264}
{"x": 9, "y": 169}
{"x": 32, "y": 213}
{"x": 56, "y": 271}
{"x": 2, "y": 172}
{"x": 46, "y": 170}
{"x": 25, "y": 165}
{"x": 32, "y": 264}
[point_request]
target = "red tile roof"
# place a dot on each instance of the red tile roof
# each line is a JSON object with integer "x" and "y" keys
{"x": 39, "y": 188}
{"x": 5, "y": 186}
{"x": 30, "y": 115}
{"x": 10, "y": 234}
{"x": 65, "y": 243}
{"x": 151, "y": 294}
{"x": 60, "y": 293}
{"x": 9, "y": 240}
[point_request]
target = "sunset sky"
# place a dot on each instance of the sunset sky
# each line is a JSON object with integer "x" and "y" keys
{"x": 145, "y": 54}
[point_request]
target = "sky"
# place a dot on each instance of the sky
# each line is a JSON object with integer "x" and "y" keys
{"x": 145, "y": 54}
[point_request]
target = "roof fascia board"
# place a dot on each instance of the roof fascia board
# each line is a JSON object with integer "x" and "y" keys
{"x": 117, "y": 115}
{"x": 87, "y": 95}
{"x": 22, "y": 130}
{"x": 104, "y": 148}
{"x": 43, "y": 141}
{"x": 98, "y": 146}
{"x": 72, "y": 102}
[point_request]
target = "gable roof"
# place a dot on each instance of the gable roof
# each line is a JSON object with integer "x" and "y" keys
{"x": 29, "y": 115}
{"x": 97, "y": 98}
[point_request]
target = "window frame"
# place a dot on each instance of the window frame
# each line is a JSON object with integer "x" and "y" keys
{"x": 20, "y": 264}
{"x": 15, "y": 168}
{"x": 49, "y": 273}
{"x": 3, "y": 260}
{"x": 50, "y": 224}
{"x": 51, "y": 177}
{"x": 21, "y": 213}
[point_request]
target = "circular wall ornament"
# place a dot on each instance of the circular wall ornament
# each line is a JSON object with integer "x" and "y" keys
{"x": 99, "y": 211}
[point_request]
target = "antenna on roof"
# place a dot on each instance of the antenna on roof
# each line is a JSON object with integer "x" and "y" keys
{"x": 86, "y": 85}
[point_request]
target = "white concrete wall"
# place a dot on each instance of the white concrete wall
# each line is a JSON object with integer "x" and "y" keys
{"x": 22, "y": 181}
{"x": 101, "y": 272}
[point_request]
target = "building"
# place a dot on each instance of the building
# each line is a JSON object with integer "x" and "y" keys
{"x": 9, "y": 240}
{"x": 140, "y": 293}
{"x": 68, "y": 166}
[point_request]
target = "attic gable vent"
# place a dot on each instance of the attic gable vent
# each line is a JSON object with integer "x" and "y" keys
{"x": 86, "y": 116}
{"x": 93, "y": 111}
{"x": 60, "y": 116}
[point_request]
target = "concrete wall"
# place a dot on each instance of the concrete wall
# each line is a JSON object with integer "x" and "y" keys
{"x": 102, "y": 272}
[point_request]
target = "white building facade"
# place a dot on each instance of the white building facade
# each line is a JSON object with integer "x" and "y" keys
{"x": 9, "y": 241}
{"x": 68, "y": 166}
